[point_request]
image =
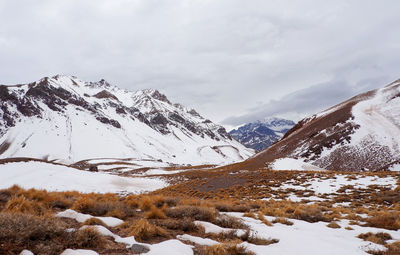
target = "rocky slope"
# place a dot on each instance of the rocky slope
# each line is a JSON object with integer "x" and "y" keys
{"x": 362, "y": 133}
{"x": 259, "y": 135}
{"x": 66, "y": 119}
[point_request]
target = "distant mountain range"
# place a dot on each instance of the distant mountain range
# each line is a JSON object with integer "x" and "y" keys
{"x": 65, "y": 119}
{"x": 260, "y": 135}
{"x": 362, "y": 133}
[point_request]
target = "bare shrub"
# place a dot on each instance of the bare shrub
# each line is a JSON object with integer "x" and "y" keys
{"x": 195, "y": 212}
{"x": 309, "y": 214}
{"x": 379, "y": 238}
{"x": 106, "y": 207}
{"x": 227, "y": 221}
{"x": 21, "y": 231}
{"x": 185, "y": 224}
{"x": 387, "y": 220}
{"x": 87, "y": 238}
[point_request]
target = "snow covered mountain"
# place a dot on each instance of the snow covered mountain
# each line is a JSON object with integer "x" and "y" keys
{"x": 260, "y": 135}
{"x": 66, "y": 119}
{"x": 362, "y": 133}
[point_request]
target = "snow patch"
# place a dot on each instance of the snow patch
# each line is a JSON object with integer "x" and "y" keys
{"x": 293, "y": 164}
{"x": 53, "y": 177}
{"x": 81, "y": 217}
{"x": 197, "y": 240}
{"x": 78, "y": 252}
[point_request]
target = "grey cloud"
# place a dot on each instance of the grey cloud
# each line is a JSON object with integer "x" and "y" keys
{"x": 305, "y": 101}
{"x": 219, "y": 57}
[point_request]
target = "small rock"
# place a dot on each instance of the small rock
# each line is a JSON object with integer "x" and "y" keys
{"x": 138, "y": 249}
{"x": 93, "y": 169}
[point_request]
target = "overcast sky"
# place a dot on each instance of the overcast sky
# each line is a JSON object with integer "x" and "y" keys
{"x": 232, "y": 60}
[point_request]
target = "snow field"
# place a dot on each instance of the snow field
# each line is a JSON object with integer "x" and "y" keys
{"x": 311, "y": 238}
{"x": 53, "y": 177}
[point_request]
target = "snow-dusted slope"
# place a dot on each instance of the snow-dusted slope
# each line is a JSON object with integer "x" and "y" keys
{"x": 362, "y": 133}
{"x": 67, "y": 119}
{"x": 262, "y": 134}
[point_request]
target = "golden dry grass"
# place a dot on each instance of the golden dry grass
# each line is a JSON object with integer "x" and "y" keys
{"x": 333, "y": 225}
{"x": 94, "y": 221}
{"x": 282, "y": 221}
{"x": 226, "y": 249}
{"x": 378, "y": 238}
{"x": 166, "y": 213}
{"x": 142, "y": 230}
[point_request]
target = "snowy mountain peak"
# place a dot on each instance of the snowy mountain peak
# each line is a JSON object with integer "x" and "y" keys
{"x": 262, "y": 133}
{"x": 63, "y": 117}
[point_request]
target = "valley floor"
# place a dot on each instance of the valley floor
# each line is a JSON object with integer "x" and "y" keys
{"x": 158, "y": 209}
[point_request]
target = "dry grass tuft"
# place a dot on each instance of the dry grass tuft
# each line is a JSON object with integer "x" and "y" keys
{"x": 226, "y": 249}
{"x": 254, "y": 239}
{"x": 333, "y": 225}
{"x": 261, "y": 217}
{"x": 43, "y": 235}
{"x": 94, "y": 221}
{"x": 230, "y": 206}
{"x": 19, "y": 204}
{"x": 88, "y": 238}
{"x": 142, "y": 230}
{"x": 227, "y": 221}
{"x": 146, "y": 203}
{"x": 156, "y": 213}
{"x": 194, "y": 212}
{"x": 106, "y": 205}
{"x": 393, "y": 248}
{"x": 309, "y": 213}
{"x": 250, "y": 215}
{"x": 185, "y": 224}
{"x": 378, "y": 238}
{"x": 387, "y": 220}
{"x": 282, "y": 221}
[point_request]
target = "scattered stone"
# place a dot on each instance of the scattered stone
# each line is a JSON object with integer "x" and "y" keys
{"x": 138, "y": 249}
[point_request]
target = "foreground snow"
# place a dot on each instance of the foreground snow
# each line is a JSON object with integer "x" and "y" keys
{"x": 53, "y": 177}
{"x": 311, "y": 238}
{"x": 167, "y": 247}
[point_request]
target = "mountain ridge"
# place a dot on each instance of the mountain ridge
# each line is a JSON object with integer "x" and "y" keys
{"x": 140, "y": 124}
{"x": 361, "y": 133}
{"x": 261, "y": 134}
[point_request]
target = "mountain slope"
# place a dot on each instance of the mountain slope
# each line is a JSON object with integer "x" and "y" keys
{"x": 360, "y": 133}
{"x": 260, "y": 135}
{"x": 64, "y": 118}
